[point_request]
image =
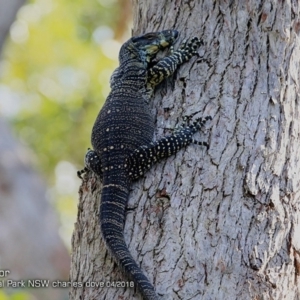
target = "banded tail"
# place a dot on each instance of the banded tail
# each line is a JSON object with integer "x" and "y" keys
{"x": 112, "y": 219}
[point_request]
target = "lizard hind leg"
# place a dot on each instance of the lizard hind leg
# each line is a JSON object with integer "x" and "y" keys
{"x": 92, "y": 162}
{"x": 200, "y": 122}
{"x": 144, "y": 157}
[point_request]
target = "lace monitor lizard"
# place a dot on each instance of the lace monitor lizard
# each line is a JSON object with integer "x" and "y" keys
{"x": 122, "y": 136}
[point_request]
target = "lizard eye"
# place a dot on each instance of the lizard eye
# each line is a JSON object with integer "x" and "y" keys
{"x": 150, "y": 36}
{"x": 143, "y": 38}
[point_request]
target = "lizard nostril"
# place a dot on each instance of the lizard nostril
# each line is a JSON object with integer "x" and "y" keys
{"x": 175, "y": 33}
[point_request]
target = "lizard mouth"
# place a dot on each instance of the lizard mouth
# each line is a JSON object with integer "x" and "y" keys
{"x": 169, "y": 37}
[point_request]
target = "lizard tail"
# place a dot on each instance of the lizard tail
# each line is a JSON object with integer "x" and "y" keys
{"x": 112, "y": 218}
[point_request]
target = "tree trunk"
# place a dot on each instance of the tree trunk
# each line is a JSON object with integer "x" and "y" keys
{"x": 219, "y": 223}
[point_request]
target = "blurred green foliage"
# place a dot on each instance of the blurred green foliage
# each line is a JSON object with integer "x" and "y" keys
{"x": 55, "y": 72}
{"x": 59, "y": 59}
{"x": 15, "y": 296}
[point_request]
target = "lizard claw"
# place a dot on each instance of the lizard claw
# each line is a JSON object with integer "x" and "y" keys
{"x": 80, "y": 172}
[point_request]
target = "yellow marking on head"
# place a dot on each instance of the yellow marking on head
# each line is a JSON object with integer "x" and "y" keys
{"x": 164, "y": 43}
{"x": 152, "y": 49}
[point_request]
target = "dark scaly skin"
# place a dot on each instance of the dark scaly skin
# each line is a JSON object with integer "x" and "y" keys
{"x": 122, "y": 137}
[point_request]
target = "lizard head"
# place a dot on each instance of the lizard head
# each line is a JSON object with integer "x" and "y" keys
{"x": 149, "y": 44}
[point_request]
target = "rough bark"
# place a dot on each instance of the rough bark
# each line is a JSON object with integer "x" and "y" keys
{"x": 222, "y": 223}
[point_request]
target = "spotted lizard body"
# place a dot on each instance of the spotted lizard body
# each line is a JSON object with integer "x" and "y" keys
{"x": 122, "y": 136}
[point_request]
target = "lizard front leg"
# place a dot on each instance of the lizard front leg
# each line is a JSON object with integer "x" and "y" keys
{"x": 168, "y": 65}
